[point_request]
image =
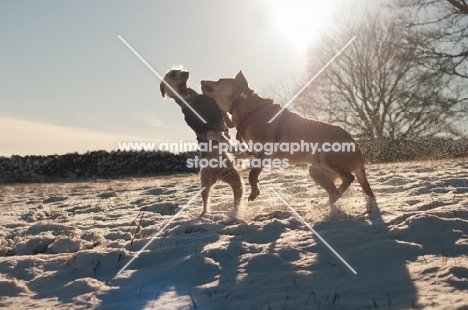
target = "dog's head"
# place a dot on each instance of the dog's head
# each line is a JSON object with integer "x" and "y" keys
{"x": 178, "y": 80}
{"x": 226, "y": 91}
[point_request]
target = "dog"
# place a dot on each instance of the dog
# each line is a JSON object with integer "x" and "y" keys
{"x": 215, "y": 128}
{"x": 251, "y": 114}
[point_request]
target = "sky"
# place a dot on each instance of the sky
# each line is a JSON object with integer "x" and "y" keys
{"x": 69, "y": 84}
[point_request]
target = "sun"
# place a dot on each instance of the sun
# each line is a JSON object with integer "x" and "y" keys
{"x": 299, "y": 22}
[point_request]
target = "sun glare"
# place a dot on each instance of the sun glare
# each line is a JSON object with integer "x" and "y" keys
{"x": 299, "y": 22}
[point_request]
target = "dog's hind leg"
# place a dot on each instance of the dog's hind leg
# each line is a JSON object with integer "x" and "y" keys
{"x": 361, "y": 177}
{"x": 325, "y": 179}
{"x": 234, "y": 180}
{"x": 346, "y": 178}
{"x": 207, "y": 180}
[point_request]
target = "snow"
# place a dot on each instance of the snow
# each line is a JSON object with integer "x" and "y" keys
{"x": 61, "y": 245}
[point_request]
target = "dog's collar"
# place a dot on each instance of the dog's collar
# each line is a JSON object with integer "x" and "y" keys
{"x": 254, "y": 109}
{"x": 236, "y": 101}
{"x": 180, "y": 103}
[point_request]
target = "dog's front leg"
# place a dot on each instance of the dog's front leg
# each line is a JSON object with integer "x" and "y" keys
{"x": 207, "y": 180}
{"x": 253, "y": 181}
{"x": 253, "y": 175}
{"x": 218, "y": 136}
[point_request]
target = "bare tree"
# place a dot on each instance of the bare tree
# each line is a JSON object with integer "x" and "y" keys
{"x": 441, "y": 32}
{"x": 377, "y": 87}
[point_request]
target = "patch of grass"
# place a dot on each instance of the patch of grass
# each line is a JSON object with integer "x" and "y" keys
{"x": 95, "y": 267}
{"x": 96, "y": 241}
{"x": 310, "y": 295}
{"x": 71, "y": 258}
{"x": 193, "y": 300}
{"x": 336, "y": 297}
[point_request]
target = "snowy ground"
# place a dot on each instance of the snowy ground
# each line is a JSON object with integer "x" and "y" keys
{"x": 63, "y": 244}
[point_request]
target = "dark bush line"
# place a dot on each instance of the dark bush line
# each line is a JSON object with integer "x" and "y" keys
{"x": 388, "y": 150}
{"x": 116, "y": 164}
{"x": 92, "y": 165}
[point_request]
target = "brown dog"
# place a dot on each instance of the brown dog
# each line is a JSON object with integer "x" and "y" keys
{"x": 251, "y": 115}
{"x": 214, "y": 129}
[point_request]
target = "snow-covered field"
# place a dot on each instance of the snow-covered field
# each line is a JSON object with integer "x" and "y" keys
{"x": 63, "y": 244}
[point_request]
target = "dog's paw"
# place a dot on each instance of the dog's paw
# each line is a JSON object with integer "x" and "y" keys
{"x": 334, "y": 214}
{"x": 253, "y": 195}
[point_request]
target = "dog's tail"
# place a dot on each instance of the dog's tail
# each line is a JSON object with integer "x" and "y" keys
{"x": 361, "y": 177}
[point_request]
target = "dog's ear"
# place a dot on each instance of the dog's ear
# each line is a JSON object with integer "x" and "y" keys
{"x": 185, "y": 75}
{"x": 240, "y": 78}
{"x": 163, "y": 90}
